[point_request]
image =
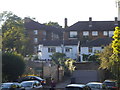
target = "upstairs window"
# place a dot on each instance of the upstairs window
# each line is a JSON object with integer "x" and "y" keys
{"x": 111, "y": 33}
{"x": 35, "y": 32}
{"x": 94, "y": 33}
{"x": 105, "y": 33}
{"x": 85, "y": 33}
{"x": 73, "y": 34}
{"x": 51, "y": 49}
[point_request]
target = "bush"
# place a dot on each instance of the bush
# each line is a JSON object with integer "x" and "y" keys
{"x": 13, "y": 66}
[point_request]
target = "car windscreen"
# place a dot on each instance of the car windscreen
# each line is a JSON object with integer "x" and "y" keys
{"x": 109, "y": 83}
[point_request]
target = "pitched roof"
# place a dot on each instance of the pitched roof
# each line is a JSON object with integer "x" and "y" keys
{"x": 96, "y": 25}
{"x": 97, "y": 42}
{"x": 34, "y": 25}
{"x": 59, "y": 42}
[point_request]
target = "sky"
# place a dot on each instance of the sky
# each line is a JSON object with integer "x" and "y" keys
{"x": 56, "y": 10}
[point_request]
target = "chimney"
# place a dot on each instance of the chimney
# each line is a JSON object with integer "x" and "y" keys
{"x": 27, "y": 19}
{"x": 90, "y": 21}
{"x": 116, "y": 21}
{"x": 65, "y": 23}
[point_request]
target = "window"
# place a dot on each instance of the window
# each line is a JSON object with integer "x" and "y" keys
{"x": 68, "y": 49}
{"x": 94, "y": 33}
{"x": 105, "y": 33}
{"x": 85, "y": 33}
{"x": 35, "y": 32}
{"x": 90, "y": 49}
{"x": 35, "y": 40}
{"x": 111, "y": 33}
{"x": 51, "y": 49}
{"x": 73, "y": 34}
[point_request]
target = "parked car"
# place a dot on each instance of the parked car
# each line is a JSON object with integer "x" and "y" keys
{"x": 30, "y": 84}
{"x": 77, "y": 87}
{"x": 10, "y": 85}
{"x": 96, "y": 86}
{"x": 28, "y": 78}
{"x": 111, "y": 84}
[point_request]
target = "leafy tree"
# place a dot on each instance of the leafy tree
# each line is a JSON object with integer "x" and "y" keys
{"x": 115, "y": 58}
{"x": 69, "y": 66}
{"x": 91, "y": 57}
{"x": 58, "y": 58}
{"x": 13, "y": 66}
{"x": 104, "y": 56}
{"x": 61, "y": 60}
{"x": 13, "y": 37}
{"x": 54, "y": 24}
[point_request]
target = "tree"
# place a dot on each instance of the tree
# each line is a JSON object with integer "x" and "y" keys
{"x": 54, "y": 24}
{"x": 13, "y": 66}
{"x": 61, "y": 60}
{"x": 116, "y": 54}
{"x": 13, "y": 37}
{"x": 104, "y": 56}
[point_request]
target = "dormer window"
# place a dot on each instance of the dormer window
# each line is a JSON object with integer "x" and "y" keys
{"x": 73, "y": 34}
{"x": 35, "y": 32}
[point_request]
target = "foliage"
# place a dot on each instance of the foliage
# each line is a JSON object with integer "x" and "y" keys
{"x": 54, "y": 24}
{"x": 91, "y": 58}
{"x": 13, "y": 65}
{"x": 115, "y": 58}
{"x": 13, "y": 37}
{"x": 67, "y": 64}
{"x": 58, "y": 58}
{"x": 104, "y": 56}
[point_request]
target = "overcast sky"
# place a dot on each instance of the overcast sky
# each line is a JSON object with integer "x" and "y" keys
{"x": 56, "y": 10}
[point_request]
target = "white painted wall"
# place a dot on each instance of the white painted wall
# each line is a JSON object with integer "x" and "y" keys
{"x": 73, "y": 53}
{"x": 44, "y": 54}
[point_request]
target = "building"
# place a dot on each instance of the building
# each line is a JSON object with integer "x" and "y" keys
{"x": 47, "y": 48}
{"x": 90, "y": 30}
{"x": 39, "y": 32}
{"x": 91, "y": 47}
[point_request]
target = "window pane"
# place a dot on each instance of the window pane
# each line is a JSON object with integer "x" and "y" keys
{"x": 94, "y": 33}
{"x": 73, "y": 34}
{"x": 111, "y": 33}
{"x": 105, "y": 33}
{"x": 35, "y": 32}
{"x": 85, "y": 33}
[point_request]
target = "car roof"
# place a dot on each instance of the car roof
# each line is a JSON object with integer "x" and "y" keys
{"x": 75, "y": 85}
{"x": 94, "y": 83}
{"x": 110, "y": 80}
{"x": 31, "y": 81}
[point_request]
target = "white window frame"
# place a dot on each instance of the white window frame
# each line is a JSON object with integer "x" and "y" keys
{"x": 35, "y": 32}
{"x": 94, "y": 33}
{"x": 35, "y": 40}
{"x": 111, "y": 33}
{"x": 85, "y": 33}
{"x": 73, "y": 34}
{"x": 105, "y": 33}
